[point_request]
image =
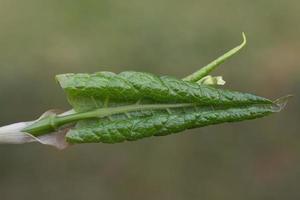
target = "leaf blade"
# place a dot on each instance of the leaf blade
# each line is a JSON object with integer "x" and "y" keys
{"x": 160, "y": 124}
{"x": 89, "y": 91}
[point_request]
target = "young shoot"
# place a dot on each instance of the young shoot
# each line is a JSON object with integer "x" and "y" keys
{"x": 111, "y": 108}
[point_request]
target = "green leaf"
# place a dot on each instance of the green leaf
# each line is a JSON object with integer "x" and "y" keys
{"x": 89, "y": 91}
{"x": 160, "y": 123}
{"x": 111, "y": 108}
{"x": 198, "y": 105}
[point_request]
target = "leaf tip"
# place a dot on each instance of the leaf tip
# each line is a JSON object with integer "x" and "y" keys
{"x": 282, "y": 102}
{"x": 244, "y": 40}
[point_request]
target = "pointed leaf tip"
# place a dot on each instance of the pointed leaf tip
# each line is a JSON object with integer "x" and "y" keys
{"x": 282, "y": 102}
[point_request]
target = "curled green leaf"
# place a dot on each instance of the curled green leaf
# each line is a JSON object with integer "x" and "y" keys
{"x": 204, "y": 71}
{"x": 124, "y": 128}
{"x": 113, "y": 108}
{"x": 89, "y": 91}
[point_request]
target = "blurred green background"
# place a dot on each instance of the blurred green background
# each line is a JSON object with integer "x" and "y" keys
{"x": 256, "y": 159}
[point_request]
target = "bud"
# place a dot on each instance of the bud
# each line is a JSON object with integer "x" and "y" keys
{"x": 212, "y": 80}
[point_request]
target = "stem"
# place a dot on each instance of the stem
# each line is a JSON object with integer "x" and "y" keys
{"x": 53, "y": 122}
{"x": 204, "y": 71}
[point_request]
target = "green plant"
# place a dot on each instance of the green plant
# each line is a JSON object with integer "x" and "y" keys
{"x": 111, "y": 108}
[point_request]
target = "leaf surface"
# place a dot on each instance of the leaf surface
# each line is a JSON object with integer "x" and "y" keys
{"x": 209, "y": 105}
{"x": 89, "y": 91}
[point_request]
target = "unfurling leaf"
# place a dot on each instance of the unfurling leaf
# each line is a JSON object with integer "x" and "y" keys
{"x": 198, "y": 105}
{"x": 112, "y": 108}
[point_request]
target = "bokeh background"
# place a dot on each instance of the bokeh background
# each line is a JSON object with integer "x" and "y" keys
{"x": 256, "y": 159}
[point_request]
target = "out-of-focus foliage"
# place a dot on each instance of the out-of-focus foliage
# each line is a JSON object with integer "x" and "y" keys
{"x": 251, "y": 160}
